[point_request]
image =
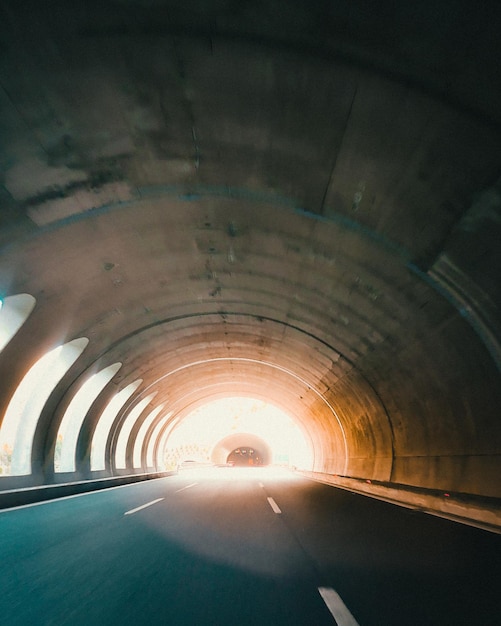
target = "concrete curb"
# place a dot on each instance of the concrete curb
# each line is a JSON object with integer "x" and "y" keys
{"x": 484, "y": 513}
{"x": 30, "y": 495}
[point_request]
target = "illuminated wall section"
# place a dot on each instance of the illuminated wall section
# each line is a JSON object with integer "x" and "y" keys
{"x": 145, "y": 426}
{"x": 69, "y": 429}
{"x": 23, "y": 412}
{"x": 150, "y": 453}
{"x": 100, "y": 437}
{"x": 126, "y": 429}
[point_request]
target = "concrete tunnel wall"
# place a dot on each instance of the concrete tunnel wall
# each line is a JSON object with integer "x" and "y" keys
{"x": 274, "y": 207}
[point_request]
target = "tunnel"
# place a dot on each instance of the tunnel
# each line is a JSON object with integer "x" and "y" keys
{"x": 226, "y": 206}
{"x": 245, "y": 456}
{"x": 294, "y": 202}
{"x": 242, "y": 449}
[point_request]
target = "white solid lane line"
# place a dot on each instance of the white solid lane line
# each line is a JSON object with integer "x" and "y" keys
{"x": 337, "y": 607}
{"x": 143, "y": 506}
{"x": 274, "y": 506}
{"x": 71, "y": 497}
{"x": 187, "y": 487}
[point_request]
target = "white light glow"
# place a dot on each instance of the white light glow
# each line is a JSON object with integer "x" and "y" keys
{"x": 198, "y": 433}
{"x": 100, "y": 437}
{"x": 126, "y": 429}
{"x": 237, "y": 474}
{"x": 138, "y": 444}
{"x": 69, "y": 429}
{"x": 21, "y": 417}
{"x": 150, "y": 453}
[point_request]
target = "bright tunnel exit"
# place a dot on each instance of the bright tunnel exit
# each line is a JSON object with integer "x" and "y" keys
{"x": 239, "y": 431}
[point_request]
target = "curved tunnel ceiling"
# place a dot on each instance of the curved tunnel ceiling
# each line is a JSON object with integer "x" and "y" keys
{"x": 230, "y": 203}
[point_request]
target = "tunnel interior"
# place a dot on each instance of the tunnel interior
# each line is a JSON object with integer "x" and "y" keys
{"x": 215, "y": 430}
{"x": 245, "y": 456}
{"x": 294, "y": 207}
{"x": 242, "y": 450}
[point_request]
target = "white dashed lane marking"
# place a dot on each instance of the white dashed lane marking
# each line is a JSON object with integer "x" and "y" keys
{"x": 274, "y": 506}
{"x": 143, "y": 506}
{"x": 337, "y": 607}
{"x": 187, "y": 487}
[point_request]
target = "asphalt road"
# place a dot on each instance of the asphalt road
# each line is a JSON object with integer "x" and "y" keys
{"x": 201, "y": 549}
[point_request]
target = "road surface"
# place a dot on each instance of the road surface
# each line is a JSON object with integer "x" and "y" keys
{"x": 231, "y": 547}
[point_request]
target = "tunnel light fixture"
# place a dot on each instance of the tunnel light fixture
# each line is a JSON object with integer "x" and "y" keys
{"x": 140, "y": 437}
{"x": 199, "y": 434}
{"x": 260, "y": 475}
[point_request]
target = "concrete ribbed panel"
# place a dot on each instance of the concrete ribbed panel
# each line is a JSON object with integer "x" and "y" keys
{"x": 321, "y": 210}
{"x": 396, "y": 330}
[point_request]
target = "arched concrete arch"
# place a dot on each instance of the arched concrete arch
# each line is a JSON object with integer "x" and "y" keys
{"x": 14, "y": 311}
{"x": 310, "y": 213}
